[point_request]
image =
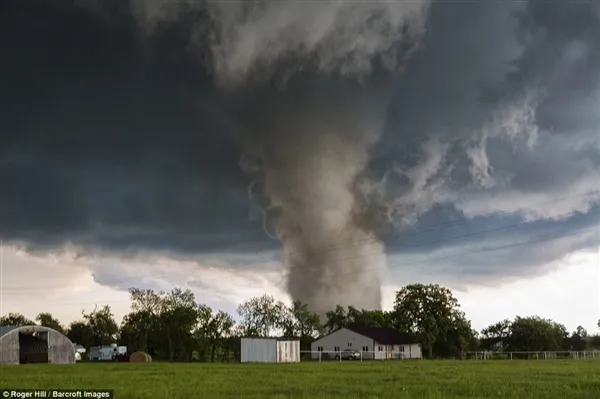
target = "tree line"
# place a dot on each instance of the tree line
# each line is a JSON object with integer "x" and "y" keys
{"x": 174, "y": 326}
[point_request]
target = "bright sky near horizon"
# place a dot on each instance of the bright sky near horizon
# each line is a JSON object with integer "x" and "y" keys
{"x": 64, "y": 285}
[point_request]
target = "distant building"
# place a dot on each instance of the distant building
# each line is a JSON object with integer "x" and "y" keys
{"x": 373, "y": 342}
{"x": 35, "y": 344}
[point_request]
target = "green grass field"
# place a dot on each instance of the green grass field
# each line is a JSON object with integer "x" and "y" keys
{"x": 411, "y": 379}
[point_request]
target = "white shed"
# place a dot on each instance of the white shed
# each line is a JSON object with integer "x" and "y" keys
{"x": 269, "y": 350}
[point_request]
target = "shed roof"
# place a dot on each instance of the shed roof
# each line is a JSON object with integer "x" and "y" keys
{"x": 6, "y": 329}
{"x": 272, "y": 338}
{"x": 384, "y": 335}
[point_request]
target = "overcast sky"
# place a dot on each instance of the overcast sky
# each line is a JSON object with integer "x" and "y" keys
{"x": 119, "y": 152}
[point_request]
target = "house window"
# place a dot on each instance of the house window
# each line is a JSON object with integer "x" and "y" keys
{"x": 380, "y": 348}
{"x": 349, "y": 344}
{"x": 402, "y": 348}
{"x": 336, "y": 348}
{"x": 320, "y": 349}
{"x": 365, "y": 349}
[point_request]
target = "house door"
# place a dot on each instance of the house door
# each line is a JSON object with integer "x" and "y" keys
{"x": 390, "y": 352}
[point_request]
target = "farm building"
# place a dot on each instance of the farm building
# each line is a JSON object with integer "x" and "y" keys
{"x": 374, "y": 343}
{"x": 269, "y": 350}
{"x": 34, "y": 344}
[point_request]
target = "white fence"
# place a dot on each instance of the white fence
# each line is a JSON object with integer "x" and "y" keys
{"x": 343, "y": 356}
{"x": 573, "y": 355}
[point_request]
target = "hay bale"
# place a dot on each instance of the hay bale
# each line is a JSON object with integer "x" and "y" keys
{"x": 140, "y": 357}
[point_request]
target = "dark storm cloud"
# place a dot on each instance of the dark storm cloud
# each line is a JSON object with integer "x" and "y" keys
{"x": 476, "y": 58}
{"x": 112, "y": 140}
{"x": 115, "y": 138}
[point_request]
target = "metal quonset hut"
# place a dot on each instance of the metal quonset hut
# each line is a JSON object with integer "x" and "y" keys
{"x": 269, "y": 350}
{"x": 35, "y": 344}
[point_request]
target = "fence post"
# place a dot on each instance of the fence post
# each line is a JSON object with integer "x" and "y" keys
{"x": 320, "y": 356}
{"x": 511, "y": 356}
{"x": 340, "y": 353}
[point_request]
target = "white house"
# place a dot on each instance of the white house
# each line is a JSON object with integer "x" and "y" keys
{"x": 373, "y": 342}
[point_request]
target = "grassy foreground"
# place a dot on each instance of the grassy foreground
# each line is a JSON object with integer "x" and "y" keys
{"x": 568, "y": 379}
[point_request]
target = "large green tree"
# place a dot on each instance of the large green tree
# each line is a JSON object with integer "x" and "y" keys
{"x": 178, "y": 315}
{"x": 102, "y": 324}
{"x": 496, "y": 336}
{"x": 369, "y": 318}
{"x": 47, "y": 320}
{"x": 80, "y": 332}
{"x": 458, "y": 338}
{"x": 203, "y": 344}
{"x": 429, "y": 312}
{"x": 335, "y": 319}
{"x": 141, "y": 328}
{"x": 537, "y": 334}
{"x": 219, "y": 329}
{"x": 161, "y": 323}
{"x": 138, "y": 330}
{"x": 212, "y": 332}
{"x": 260, "y": 315}
{"x": 578, "y": 341}
{"x": 594, "y": 340}
{"x": 343, "y": 317}
{"x": 300, "y": 322}
{"x": 15, "y": 320}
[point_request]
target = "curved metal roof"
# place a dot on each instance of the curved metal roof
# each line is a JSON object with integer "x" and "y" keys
{"x": 7, "y": 329}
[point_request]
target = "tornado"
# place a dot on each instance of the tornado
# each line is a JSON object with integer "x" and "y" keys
{"x": 308, "y": 154}
{"x": 309, "y": 84}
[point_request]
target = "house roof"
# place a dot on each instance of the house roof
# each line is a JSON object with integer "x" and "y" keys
{"x": 384, "y": 335}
